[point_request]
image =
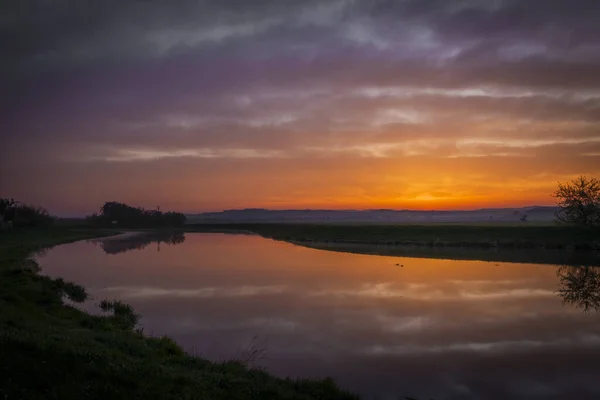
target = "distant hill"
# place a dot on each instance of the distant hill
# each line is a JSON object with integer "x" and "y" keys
{"x": 493, "y": 215}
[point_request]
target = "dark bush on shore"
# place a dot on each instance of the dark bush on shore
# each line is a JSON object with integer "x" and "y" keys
{"x": 122, "y": 312}
{"x": 118, "y": 214}
{"x": 16, "y": 214}
{"x": 73, "y": 291}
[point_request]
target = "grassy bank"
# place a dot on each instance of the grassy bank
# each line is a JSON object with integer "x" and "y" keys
{"x": 53, "y": 351}
{"x": 510, "y": 255}
{"x": 475, "y": 236}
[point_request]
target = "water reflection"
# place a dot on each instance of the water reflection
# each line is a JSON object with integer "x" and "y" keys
{"x": 580, "y": 286}
{"x": 139, "y": 241}
{"x": 433, "y": 328}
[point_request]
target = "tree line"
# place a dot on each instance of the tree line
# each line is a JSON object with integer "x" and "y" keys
{"x": 17, "y": 214}
{"x": 113, "y": 213}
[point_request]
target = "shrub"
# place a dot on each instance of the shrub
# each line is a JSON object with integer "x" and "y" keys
{"x": 166, "y": 345}
{"x": 73, "y": 291}
{"x": 123, "y": 313}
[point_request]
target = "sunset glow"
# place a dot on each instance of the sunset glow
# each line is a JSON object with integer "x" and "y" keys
{"x": 320, "y": 104}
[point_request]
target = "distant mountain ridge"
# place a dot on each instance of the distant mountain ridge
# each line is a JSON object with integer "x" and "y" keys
{"x": 532, "y": 214}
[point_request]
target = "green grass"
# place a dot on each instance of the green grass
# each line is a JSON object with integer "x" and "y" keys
{"x": 510, "y": 255}
{"x": 49, "y": 350}
{"x": 524, "y": 236}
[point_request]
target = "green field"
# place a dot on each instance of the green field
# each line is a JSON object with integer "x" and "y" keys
{"x": 523, "y": 236}
{"x": 53, "y": 351}
{"x": 574, "y": 258}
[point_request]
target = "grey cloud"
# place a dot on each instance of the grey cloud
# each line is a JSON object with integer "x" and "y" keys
{"x": 45, "y": 34}
{"x": 149, "y": 49}
{"x": 561, "y": 20}
{"x": 88, "y": 30}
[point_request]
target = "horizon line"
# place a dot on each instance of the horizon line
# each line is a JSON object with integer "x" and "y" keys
{"x": 370, "y": 209}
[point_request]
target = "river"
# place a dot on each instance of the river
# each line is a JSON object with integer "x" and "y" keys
{"x": 385, "y": 327}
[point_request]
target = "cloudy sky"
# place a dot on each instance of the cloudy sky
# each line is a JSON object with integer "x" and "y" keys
{"x": 208, "y": 105}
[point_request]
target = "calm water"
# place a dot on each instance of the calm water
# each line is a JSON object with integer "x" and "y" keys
{"x": 431, "y": 328}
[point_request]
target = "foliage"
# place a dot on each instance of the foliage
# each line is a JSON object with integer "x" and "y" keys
{"x": 118, "y": 214}
{"x": 122, "y": 312}
{"x": 19, "y": 214}
{"x": 73, "y": 291}
{"x": 579, "y": 202}
{"x": 6, "y": 205}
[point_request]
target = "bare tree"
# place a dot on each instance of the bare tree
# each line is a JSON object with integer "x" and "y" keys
{"x": 580, "y": 286}
{"x": 579, "y": 201}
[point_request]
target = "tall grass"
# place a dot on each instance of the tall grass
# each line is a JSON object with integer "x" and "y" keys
{"x": 252, "y": 353}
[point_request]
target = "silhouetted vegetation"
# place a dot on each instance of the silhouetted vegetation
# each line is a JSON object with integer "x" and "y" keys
{"x": 140, "y": 241}
{"x": 580, "y": 287}
{"x": 122, "y": 215}
{"x": 122, "y": 312}
{"x": 579, "y": 202}
{"x": 73, "y": 291}
{"x": 16, "y": 214}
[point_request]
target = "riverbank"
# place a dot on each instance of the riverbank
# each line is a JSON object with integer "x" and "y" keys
{"x": 522, "y": 236}
{"x": 53, "y": 351}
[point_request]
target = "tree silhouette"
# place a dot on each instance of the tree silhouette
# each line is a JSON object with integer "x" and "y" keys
{"x": 579, "y": 201}
{"x": 123, "y": 215}
{"x": 580, "y": 286}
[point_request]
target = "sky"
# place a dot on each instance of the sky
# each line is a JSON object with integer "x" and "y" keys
{"x": 209, "y": 105}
